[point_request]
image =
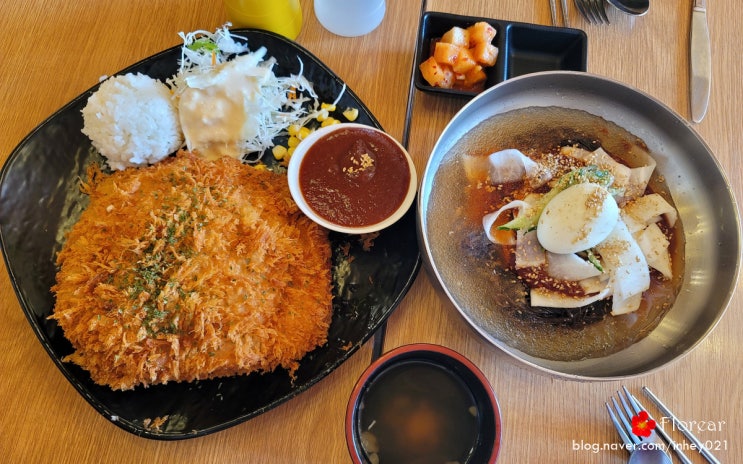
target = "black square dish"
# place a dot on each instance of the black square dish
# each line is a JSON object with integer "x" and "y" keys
{"x": 41, "y": 198}
{"x": 522, "y": 48}
{"x": 432, "y": 26}
{"x": 531, "y": 48}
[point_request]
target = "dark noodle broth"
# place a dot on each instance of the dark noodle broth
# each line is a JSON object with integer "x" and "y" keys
{"x": 476, "y": 272}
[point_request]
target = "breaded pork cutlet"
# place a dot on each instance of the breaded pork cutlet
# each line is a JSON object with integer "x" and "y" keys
{"x": 191, "y": 269}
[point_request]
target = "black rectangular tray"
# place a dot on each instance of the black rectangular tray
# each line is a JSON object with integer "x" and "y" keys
{"x": 523, "y": 48}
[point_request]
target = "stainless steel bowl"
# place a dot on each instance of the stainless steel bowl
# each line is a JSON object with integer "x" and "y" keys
{"x": 699, "y": 188}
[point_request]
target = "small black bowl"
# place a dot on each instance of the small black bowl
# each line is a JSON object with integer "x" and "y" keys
{"x": 531, "y": 48}
{"x": 417, "y": 398}
{"x": 523, "y": 48}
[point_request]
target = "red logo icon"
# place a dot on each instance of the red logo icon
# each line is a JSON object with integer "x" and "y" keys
{"x": 642, "y": 424}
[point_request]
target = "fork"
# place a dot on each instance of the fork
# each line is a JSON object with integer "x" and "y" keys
{"x": 593, "y": 10}
{"x": 639, "y": 449}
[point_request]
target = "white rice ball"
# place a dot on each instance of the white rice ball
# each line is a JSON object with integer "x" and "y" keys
{"x": 132, "y": 120}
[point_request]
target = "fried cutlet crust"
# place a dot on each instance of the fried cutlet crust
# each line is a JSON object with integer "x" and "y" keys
{"x": 191, "y": 269}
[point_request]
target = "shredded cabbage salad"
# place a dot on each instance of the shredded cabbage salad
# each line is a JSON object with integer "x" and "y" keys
{"x": 282, "y": 101}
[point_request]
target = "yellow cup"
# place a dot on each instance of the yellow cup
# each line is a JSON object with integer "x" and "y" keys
{"x": 280, "y": 16}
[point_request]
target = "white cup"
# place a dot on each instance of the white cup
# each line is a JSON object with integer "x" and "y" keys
{"x": 350, "y": 18}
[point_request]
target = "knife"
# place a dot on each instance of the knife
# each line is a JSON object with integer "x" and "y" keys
{"x": 700, "y": 61}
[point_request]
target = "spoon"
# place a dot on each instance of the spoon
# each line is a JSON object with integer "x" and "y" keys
{"x": 632, "y": 7}
{"x": 649, "y": 456}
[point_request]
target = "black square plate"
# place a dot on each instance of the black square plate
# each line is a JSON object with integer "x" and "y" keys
{"x": 40, "y": 200}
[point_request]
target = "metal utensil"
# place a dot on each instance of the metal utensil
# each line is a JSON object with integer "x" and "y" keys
{"x": 565, "y": 13}
{"x": 637, "y": 407}
{"x": 631, "y": 7}
{"x": 600, "y": 8}
{"x": 379, "y": 335}
{"x": 553, "y": 12}
{"x": 700, "y": 61}
{"x": 680, "y": 426}
{"x": 642, "y": 451}
{"x": 649, "y": 456}
{"x": 593, "y": 10}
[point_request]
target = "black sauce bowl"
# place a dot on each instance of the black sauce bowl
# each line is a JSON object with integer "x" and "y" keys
{"x": 523, "y": 48}
{"x": 473, "y": 381}
{"x": 532, "y": 48}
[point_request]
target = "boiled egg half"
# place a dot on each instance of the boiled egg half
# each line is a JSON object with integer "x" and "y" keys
{"x": 577, "y": 219}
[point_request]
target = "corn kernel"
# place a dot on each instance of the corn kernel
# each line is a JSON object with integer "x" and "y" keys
{"x": 303, "y": 133}
{"x": 329, "y": 122}
{"x": 351, "y": 114}
{"x": 290, "y": 151}
{"x": 293, "y": 129}
{"x": 322, "y": 115}
{"x": 279, "y": 152}
{"x": 260, "y": 167}
{"x": 293, "y": 141}
{"x": 327, "y": 106}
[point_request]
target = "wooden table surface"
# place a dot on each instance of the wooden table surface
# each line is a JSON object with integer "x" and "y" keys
{"x": 53, "y": 50}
